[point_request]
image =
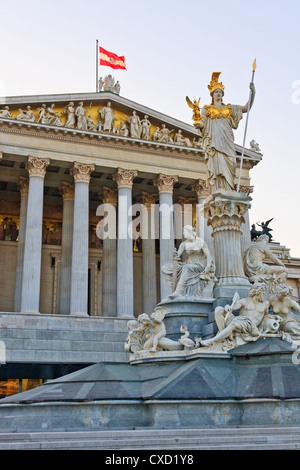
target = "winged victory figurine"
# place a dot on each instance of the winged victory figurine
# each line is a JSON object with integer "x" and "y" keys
{"x": 195, "y": 106}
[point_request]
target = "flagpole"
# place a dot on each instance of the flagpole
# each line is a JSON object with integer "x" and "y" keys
{"x": 97, "y": 63}
{"x": 246, "y": 126}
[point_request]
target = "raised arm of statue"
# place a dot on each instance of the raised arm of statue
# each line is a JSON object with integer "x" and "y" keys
{"x": 252, "y": 88}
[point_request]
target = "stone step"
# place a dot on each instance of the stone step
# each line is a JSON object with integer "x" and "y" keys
{"x": 218, "y": 439}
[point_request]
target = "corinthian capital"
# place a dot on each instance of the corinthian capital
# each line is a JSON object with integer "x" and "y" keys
{"x": 82, "y": 172}
{"x": 147, "y": 199}
{"x": 109, "y": 196}
{"x": 23, "y": 186}
{"x": 67, "y": 191}
{"x": 37, "y": 166}
{"x": 124, "y": 178}
{"x": 201, "y": 188}
{"x": 165, "y": 183}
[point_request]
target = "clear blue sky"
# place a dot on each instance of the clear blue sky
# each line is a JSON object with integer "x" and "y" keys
{"x": 171, "y": 49}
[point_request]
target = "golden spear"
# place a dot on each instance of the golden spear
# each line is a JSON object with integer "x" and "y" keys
{"x": 246, "y": 126}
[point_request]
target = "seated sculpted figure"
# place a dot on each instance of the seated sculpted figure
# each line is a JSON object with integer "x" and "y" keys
{"x": 258, "y": 271}
{"x": 196, "y": 276}
{"x": 148, "y": 333}
{"x": 243, "y": 328}
{"x": 284, "y": 306}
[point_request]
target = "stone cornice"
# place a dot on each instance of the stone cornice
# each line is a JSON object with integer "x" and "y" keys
{"x": 96, "y": 138}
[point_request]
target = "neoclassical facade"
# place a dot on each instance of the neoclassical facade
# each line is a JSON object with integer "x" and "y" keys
{"x": 63, "y": 167}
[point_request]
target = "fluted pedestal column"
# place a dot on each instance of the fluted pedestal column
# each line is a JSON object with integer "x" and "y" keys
{"x": 23, "y": 187}
{"x": 80, "y": 250}
{"x": 148, "y": 201}
{"x": 246, "y": 235}
{"x": 30, "y": 290}
{"x": 165, "y": 186}
{"x": 225, "y": 212}
{"x": 67, "y": 191}
{"x": 109, "y": 197}
{"x": 125, "y": 300}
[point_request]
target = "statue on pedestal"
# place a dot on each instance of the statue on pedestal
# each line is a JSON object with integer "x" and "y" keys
{"x": 148, "y": 334}
{"x": 284, "y": 306}
{"x": 258, "y": 271}
{"x": 248, "y": 325}
{"x": 216, "y": 128}
{"x": 196, "y": 276}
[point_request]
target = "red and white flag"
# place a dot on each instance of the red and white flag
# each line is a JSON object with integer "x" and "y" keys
{"x": 111, "y": 60}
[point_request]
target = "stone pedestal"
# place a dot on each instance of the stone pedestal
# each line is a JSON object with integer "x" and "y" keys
{"x": 225, "y": 212}
{"x": 190, "y": 312}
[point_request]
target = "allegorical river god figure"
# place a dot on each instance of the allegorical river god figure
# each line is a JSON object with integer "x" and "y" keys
{"x": 216, "y": 128}
{"x": 196, "y": 276}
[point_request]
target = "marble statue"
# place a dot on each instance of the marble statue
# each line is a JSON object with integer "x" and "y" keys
{"x": 80, "y": 114}
{"x": 258, "y": 271}
{"x": 52, "y": 117}
{"x": 135, "y": 127}
{"x": 156, "y": 135}
{"x": 245, "y": 327}
{"x": 254, "y": 146}
{"x": 117, "y": 87}
{"x": 69, "y": 111}
{"x": 165, "y": 135}
{"x": 27, "y": 115}
{"x": 197, "y": 142}
{"x": 108, "y": 117}
{"x": 146, "y": 125}
{"x": 109, "y": 82}
{"x": 5, "y": 113}
{"x": 194, "y": 277}
{"x": 148, "y": 334}
{"x": 90, "y": 123}
{"x": 216, "y": 128}
{"x": 100, "y": 83}
{"x": 122, "y": 129}
{"x": 42, "y": 114}
{"x": 180, "y": 140}
{"x": 284, "y": 306}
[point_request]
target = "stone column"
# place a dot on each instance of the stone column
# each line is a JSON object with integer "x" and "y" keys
{"x": 245, "y": 227}
{"x": 204, "y": 231}
{"x": 30, "y": 290}
{"x": 125, "y": 300}
{"x": 148, "y": 201}
{"x": 23, "y": 188}
{"x": 67, "y": 192}
{"x": 109, "y": 261}
{"x": 187, "y": 205}
{"x": 80, "y": 249}
{"x": 165, "y": 186}
{"x": 225, "y": 213}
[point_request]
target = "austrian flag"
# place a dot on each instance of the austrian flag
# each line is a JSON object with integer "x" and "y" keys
{"x": 111, "y": 60}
